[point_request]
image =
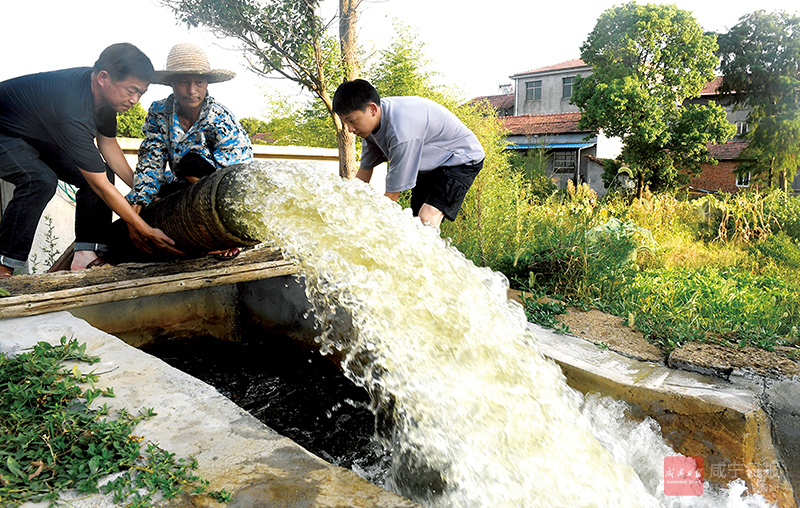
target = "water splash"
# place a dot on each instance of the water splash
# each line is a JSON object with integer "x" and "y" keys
{"x": 474, "y": 414}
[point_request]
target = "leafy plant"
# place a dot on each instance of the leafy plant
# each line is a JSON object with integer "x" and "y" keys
{"x": 661, "y": 259}
{"x": 51, "y": 440}
{"x": 543, "y": 311}
{"x": 129, "y": 123}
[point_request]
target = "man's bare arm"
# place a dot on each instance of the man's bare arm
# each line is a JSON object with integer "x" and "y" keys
{"x": 144, "y": 236}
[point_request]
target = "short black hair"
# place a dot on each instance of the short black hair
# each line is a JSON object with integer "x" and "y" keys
{"x": 354, "y": 96}
{"x": 124, "y": 60}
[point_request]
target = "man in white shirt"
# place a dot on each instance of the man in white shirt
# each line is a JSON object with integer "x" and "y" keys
{"x": 428, "y": 148}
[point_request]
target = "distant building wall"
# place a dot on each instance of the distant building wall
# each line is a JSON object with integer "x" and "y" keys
{"x": 717, "y": 178}
{"x": 552, "y": 97}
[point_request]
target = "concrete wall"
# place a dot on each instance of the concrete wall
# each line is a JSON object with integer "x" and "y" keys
{"x": 552, "y": 100}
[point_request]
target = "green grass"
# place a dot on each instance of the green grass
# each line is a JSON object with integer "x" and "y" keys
{"x": 722, "y": 268}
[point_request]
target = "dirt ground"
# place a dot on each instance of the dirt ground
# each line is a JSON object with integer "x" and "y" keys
{"x": 708, "y": 358}
{"x": 609, "y": 331}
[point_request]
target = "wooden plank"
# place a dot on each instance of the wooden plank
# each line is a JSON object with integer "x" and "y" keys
{"x": 55, "y": 299}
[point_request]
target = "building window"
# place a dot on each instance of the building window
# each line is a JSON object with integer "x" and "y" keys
{"x": 741, "y": 128}
{"x": 533, "y": 91}
{"x": 564, "y": 162}
{"x": 568, "y": 87}
{"x": 743, "y": 180}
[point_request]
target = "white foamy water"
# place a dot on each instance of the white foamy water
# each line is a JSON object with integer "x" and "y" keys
{"x": 477, "y": 416}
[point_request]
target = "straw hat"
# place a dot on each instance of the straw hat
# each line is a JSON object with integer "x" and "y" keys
{"x": 186, "y": 58}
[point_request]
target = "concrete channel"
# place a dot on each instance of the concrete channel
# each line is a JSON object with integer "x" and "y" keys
{"x": 745, "y": 424}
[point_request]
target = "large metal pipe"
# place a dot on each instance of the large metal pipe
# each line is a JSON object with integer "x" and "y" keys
{"x": 196, "y": 218}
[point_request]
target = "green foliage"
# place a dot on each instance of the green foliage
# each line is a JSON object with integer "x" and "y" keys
{"x": 533, "y": 167}
{"x": 677, "y": 305}
{"x": 253, "y": 127}
{"x": 779, "y": 249}
{"x": 647, "y": 60}
{"x": 543, "y": 311}
{"x": 292, "y": 125}
{"x": 773, "y": 150}
{"x": 283, "y": 35}
{"x": 759, "y": 58}
{"x": 129, "y": 123}
{"x": 51, "y": 440}
{"x": 723, "y": 268}
{"x": 49, "y": 248}
{"x": 735, "y": 217}
{"x": 402, "y": 69}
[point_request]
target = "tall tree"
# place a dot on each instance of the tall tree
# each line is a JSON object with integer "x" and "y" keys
{"x": 760, "y": 61}
{"x": 647, "y": 60}
{"x": 402, "y": 68}
{"x": 288, "y": 37}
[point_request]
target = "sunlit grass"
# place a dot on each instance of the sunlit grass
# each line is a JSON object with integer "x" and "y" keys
{"x": 723, "y": 268}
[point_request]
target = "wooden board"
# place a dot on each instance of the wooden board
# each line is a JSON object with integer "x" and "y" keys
{"x": 49, "y": 292}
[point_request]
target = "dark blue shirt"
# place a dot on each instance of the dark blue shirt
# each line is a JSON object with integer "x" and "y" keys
{"x": 54, "y": 113}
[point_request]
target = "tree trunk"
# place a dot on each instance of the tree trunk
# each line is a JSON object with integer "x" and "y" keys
{"x": 348, "y": 18}
{"x": 347, "y": 151}
{"x": 639, "y": 185}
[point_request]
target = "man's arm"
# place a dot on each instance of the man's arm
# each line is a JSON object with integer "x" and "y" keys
{"x": 115, "y": 159}
{"x": 142, "y": 234}
{"x": 152, "y": 162}
{"x": 231, "y": 144}
{"x": 365, "y": 175}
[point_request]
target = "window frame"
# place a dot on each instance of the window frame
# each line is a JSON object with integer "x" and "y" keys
{"x": 567, "y": 156}
{"x": 533, "y": 90}
{"x": 565, "y": 86}
{"x": 740, "y": 180}
{"x": 741, "y": 127}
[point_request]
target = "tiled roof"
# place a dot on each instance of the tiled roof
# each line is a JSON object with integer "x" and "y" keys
{"x": 727, "y": 152}
{"x": 712, "y": 87}
{"x": 558, "y": 123}
{"x": 497, "y": 101}
{"x": 569, "y": 64}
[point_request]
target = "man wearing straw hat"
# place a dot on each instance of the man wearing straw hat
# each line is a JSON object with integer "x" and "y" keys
{"x": 188, "y": 131}
{"x": 48, "y": 126}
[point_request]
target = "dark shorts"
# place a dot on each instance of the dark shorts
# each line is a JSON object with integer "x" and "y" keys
{"x": 444, "y": 188}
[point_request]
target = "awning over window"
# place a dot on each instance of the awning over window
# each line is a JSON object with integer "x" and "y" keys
{"x": 550, "y": 146}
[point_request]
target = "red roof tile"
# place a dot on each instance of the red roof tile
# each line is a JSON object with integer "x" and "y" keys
{"x": 712, "y": 87}
{"x": 728, "y": 151}
{"x": 558, "y": 123}
{"x": 569, "y": 64}
{"x": 497, "y": 101}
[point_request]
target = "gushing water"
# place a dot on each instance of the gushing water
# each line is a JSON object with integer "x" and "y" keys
{"x": 474, "y": 415}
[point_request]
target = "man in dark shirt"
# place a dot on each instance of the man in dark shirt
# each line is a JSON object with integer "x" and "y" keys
{"x": 48, "y": 126}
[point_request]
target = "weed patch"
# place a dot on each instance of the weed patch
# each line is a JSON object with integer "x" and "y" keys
{"x": 51, "y": 440}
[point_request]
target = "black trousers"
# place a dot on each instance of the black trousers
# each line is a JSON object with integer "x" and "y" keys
{"x": 35, "y": 178}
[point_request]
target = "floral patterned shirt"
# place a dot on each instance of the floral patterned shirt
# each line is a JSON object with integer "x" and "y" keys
{"x": 216, "y": 135}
